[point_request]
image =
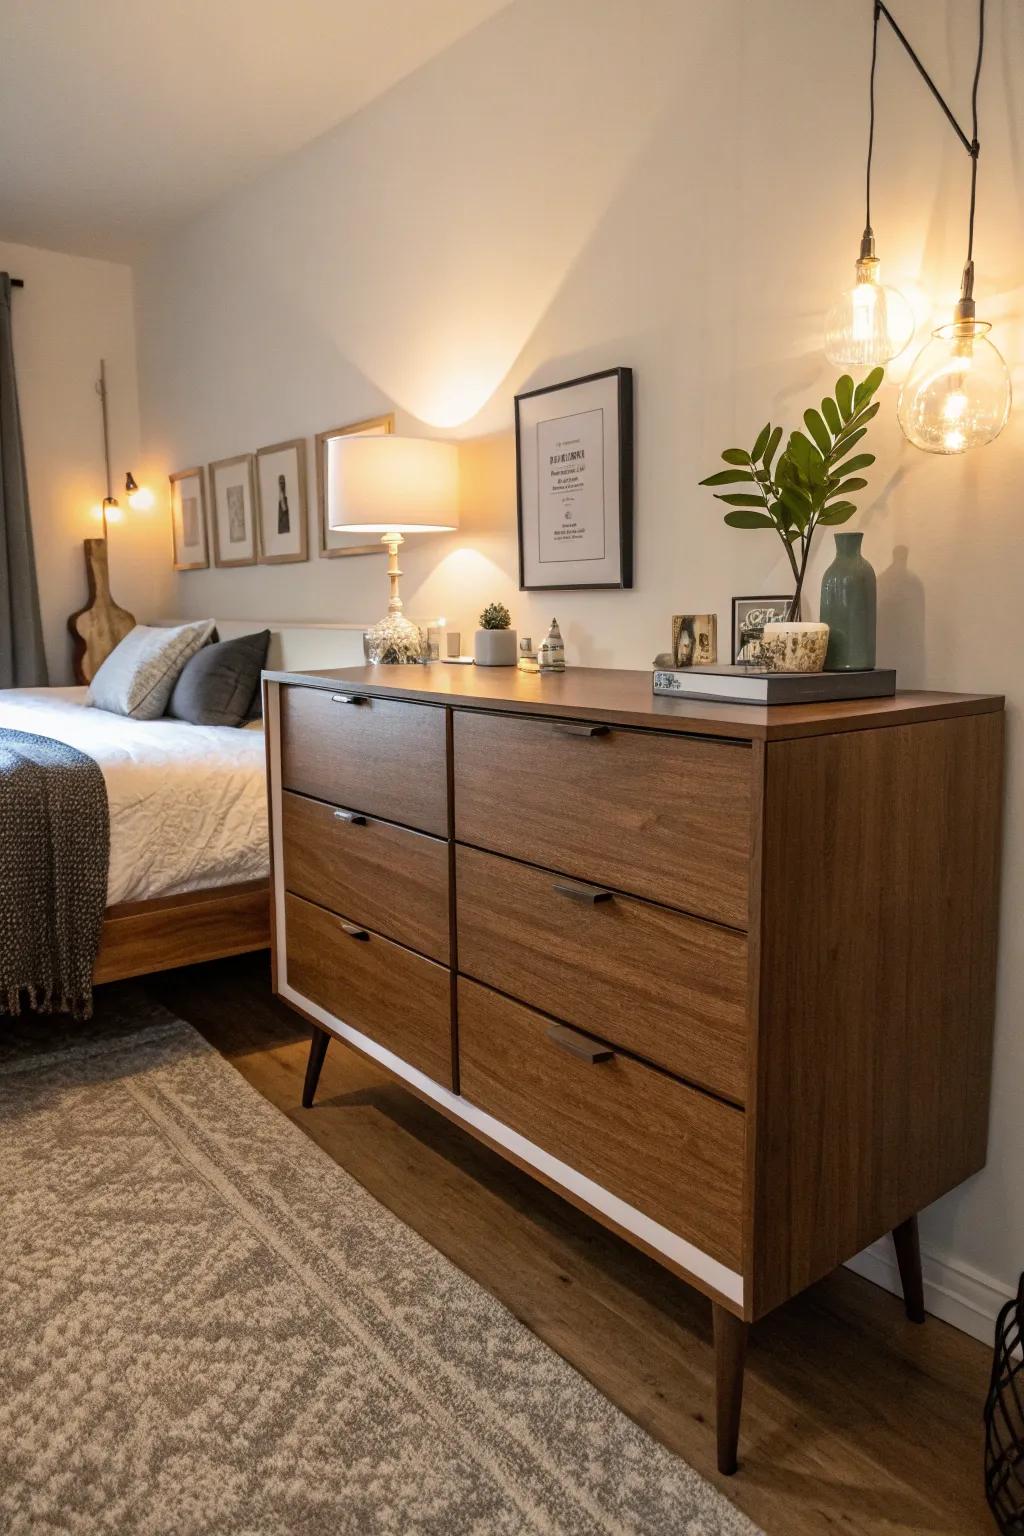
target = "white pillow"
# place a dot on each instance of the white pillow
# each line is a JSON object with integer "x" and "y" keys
{"x": 137, "y": 677}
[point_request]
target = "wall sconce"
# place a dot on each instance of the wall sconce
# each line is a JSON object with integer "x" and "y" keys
{"x": 140, "y": 497}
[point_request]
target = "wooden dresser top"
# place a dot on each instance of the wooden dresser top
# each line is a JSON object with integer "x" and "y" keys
{"x": 625, "y": 698}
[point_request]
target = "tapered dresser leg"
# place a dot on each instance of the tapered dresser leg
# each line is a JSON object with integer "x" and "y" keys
{"x": 730, "y": 1357}
{"x": 908, "y": 1257}
{"x": 317, "y": 1051}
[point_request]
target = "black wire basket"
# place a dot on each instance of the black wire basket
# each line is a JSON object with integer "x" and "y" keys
{"x": 1004, "y": 1421}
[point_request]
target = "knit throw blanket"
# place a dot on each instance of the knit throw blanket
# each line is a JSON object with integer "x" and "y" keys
{"x": 54, "y": 858}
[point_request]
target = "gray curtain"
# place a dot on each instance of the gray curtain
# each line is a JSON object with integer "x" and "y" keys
{"x": 22, "y": 657}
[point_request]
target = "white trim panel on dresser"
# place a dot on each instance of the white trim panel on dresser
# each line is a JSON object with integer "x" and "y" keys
{"x": 699, "y": 1264}
{"x": 694, "y": 1260}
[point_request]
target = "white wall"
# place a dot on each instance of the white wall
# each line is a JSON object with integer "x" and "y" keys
{"x": 71, "y": 312}
{"x": 675, "y": 186}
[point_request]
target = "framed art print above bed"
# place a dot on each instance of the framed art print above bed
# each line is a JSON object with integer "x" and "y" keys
{"x": 281, "y": 502}
{"x": 188, "y": 520}
{"x": 332, "y": 542}
{"x": 233, "y": 506}
{"x": 574, "y": 483}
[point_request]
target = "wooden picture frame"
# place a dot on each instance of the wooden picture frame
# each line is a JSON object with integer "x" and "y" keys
{"x": 581, "y": 496}
{"x": 373, "y": 426}
{"x": 249, "y": 538}
{"x": 284, "y": 462}
{"x": 186, "y": 518}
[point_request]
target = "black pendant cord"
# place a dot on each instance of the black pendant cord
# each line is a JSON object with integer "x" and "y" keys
{"x": 868, "y": 231}
{"x": 971, "y": 144}
{"x": 975, "y": 147}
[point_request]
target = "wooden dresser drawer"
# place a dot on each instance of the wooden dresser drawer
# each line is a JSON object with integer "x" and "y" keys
{"x": 671, "y": 1151}
{"x": 666, "y": 817}
{"x": 381, "y": 756}
{"x": 665, "y": 986}
{"x": 397, "y": 998}
{"x": 386, "y": 877}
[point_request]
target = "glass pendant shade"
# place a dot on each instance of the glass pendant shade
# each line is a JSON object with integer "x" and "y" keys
{"x": 958, "y": 393}
{"x": 869, "y": 324}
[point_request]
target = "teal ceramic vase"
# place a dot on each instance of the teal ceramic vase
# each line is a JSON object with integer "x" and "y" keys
{"x": 849, "y": 605}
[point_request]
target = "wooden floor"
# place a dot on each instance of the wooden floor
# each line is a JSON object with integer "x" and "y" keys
{"x": 854, "y": 1419}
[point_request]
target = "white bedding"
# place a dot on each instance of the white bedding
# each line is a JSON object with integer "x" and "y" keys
{"x": 188, "y": 805}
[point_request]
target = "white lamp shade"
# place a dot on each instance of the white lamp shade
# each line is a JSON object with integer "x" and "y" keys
{"x": 392, "y": 484}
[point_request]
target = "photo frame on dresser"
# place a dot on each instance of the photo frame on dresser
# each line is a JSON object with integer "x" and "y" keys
{"x": 574, "y": 483}
{"x": 282, "y": 512}
{"x": 335, "y": 543}
{"x": 233, "y": 511}
{"x": 750, "y": 615}
{"x": 189, "y": 546}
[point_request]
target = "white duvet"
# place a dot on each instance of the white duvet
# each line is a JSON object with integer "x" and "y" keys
{"x": 188, "y": 803}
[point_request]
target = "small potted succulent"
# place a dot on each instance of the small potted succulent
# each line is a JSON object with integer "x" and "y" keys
{"x": 494, "y": 644}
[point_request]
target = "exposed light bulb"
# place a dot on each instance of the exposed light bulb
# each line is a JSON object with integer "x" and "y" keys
{"x": 869, "y": 324}
{"x": 111, "y": 511}
{"x": 958, "y": 394}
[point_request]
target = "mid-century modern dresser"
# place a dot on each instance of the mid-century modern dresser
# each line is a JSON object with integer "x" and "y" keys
{"x": 722, "y": 975}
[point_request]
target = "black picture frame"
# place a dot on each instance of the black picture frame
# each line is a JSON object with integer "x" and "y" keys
{"x": 624, "y": 395}
{"x": 776, "y": 600}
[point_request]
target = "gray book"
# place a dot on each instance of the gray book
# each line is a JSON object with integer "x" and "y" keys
{"x": 746, "y": 685}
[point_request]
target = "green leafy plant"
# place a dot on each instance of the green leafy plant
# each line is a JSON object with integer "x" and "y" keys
{"x": 495, "y": 616}
{"x": 809, "y": 484}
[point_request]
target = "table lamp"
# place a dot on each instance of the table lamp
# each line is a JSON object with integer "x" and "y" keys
{"x": 391, "y": 486}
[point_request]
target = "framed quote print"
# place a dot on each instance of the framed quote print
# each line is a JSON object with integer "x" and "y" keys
{"x": 334, "y": 541}
{"x": 574, "y": 483}
{"x": 188, "y": 520}
{"x": 233, "y": 499}
{"x": 281, "y": 502}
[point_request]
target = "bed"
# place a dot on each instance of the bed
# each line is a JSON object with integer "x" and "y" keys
{"x": 189, "y": 857}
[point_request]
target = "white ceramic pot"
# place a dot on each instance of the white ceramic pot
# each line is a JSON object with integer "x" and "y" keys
{"x": 494, "y": 648}
{"x": 791, "y": 648}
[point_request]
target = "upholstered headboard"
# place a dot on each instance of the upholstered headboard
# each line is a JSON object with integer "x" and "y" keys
{"x": 299, "y": 647}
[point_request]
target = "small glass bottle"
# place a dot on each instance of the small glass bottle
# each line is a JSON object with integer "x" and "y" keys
{"x": 527, "y": 661}
{"x": 551, "y": 656}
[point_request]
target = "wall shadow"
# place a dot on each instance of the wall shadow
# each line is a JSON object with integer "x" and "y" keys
{"x": 901, "y": 620}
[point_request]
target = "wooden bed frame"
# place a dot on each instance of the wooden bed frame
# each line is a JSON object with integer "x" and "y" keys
{"x": 158, "y": 935}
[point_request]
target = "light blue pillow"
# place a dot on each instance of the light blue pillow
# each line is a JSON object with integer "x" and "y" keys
{"x": 137, "y": 677}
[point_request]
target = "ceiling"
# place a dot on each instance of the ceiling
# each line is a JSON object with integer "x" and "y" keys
{"x": 122, "y": 118}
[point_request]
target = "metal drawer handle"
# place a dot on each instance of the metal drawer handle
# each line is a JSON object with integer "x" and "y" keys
{"x": 579, "y": 892}
{"x": 356, "y": 818}
{"x": 578, "y": 728}
{"x": 580, "y": 1046}
{"x": 348, "y": 698}
{"x": 354, "y": 932}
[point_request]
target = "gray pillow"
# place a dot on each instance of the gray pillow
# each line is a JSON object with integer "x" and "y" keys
{"x": 137, "y": 677}
{"x": 218, "y": 685}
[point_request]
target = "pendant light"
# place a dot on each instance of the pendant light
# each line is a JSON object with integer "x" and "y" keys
{"x": 958, "y": 394}
{"x": 869, "y": 324}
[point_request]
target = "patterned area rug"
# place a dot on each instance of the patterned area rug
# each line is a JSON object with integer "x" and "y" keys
{"x": 208, "y": 1327}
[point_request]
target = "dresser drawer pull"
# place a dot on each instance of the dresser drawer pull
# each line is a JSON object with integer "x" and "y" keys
{"x": 578, "y": 728}
{"x": 354, "y": 932}
{"x": 578, "y": 1045}
{"x": 356, "y": 818}
{"x": 349, "y": 698}
{"x": 579, "y": 892}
